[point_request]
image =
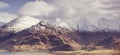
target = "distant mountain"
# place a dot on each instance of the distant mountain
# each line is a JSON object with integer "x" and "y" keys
{"x": 86, "y": 25}
{"x": 99, "y": 25}
{"x": 108, "y": 25}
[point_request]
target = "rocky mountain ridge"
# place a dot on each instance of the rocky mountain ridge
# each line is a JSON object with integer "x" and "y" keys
{"x": 41, "y": 36}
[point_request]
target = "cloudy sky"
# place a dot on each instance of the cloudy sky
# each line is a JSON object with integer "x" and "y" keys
{"x": 72, "y": 12}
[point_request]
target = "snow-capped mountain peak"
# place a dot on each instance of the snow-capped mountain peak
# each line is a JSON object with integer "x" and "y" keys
{"x": 20, "y": 23}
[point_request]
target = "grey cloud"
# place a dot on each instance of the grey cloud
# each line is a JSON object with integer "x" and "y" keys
{"x": 111, "y": 2}
{"x": 3, "y": 5}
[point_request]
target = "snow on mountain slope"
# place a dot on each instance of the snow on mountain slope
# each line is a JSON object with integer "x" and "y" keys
{"x": 20, "y": 23}
{"x": 42, "y": 25}
{"x": 61, "y": 23}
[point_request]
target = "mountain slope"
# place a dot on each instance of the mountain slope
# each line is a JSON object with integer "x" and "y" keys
{"x": 42, "y": 36}
{"x": 20, "y": 24}
{"x": 16, "y": 25}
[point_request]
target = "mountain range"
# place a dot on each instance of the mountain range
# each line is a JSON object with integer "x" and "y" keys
{"x": 27, "y": 33}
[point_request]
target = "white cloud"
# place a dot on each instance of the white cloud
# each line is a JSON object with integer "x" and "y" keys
{"x": 4, "y": 5}
{"x": 36, "y": 8}
{"x": 74, "y": 11}
{"x": 69, "y": 10}
{"x": 7, "y": 17}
